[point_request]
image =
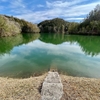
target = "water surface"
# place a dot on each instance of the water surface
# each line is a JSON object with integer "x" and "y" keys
{"x": 28, "y": 55}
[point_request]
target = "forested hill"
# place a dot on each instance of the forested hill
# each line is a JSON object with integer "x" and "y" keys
{"x": 10, "y": 25}
{"x": 56, "y": 25}
{"x": 90, "y": 25}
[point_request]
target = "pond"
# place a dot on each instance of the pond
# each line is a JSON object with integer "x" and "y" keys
{"x": 26, "y": 55}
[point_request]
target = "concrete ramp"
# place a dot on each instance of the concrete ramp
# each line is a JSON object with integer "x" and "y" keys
{"x": 52, "y": 88}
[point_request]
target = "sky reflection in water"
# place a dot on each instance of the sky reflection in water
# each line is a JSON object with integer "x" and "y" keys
{"x": 38, "y": 56}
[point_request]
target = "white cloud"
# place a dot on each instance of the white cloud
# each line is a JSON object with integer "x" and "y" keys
{"x": 6, "y": 58}
{"x": 63, "y": 4}
{"x": 72, "y": 10}
{"x": 67, "y": 9}
{"x": 56, "y": 49}
{"x": 17, "y": 4}
{"x": 74, "y": 59}
{"x": 19, "y": 7}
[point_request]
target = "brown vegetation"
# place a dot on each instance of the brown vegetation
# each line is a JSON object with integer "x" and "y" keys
{"x": 21, "y": 89}
{"x": 74, "y": 88}
{"x": 11, "y": 26}
{"x": 8, "y": 28}
{"x": 80, "y": 88}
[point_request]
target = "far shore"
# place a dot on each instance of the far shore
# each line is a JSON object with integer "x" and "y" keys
{"x": 75, "y": 88}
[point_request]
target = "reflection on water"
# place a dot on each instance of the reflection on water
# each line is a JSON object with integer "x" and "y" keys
{"x": 7, "y": 43}
{"x": 88, "y": 44}
{"x": 25, "y": 55}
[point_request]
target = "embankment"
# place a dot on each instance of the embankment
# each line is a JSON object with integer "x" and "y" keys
{"x": 75, "y": 88}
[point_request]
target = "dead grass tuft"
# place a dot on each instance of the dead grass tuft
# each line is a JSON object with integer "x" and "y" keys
{"x": 79, "y": 88}
{"x": 21, "y": 89}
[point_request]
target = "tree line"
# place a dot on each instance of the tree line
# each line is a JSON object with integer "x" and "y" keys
{"x": 90, "y": 24}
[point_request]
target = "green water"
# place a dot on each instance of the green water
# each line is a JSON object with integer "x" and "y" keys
{"x": 27, "y": 55}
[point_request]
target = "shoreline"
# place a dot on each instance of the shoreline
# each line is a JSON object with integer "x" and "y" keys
{"x": 21, "y": 89}
{"x": 30, "y": 88}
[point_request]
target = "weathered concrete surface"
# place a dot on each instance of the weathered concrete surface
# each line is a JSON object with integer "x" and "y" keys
{"x": 52, "y": 88}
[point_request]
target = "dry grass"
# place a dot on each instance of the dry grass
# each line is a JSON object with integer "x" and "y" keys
{"x": 21, "y": 89}
{"x": 76, "y": 88}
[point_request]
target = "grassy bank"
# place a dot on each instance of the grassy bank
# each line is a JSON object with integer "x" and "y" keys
{"x": 21, "y": 89}
{"x": 80, "y": 88}
{"x": 75, "y": 88}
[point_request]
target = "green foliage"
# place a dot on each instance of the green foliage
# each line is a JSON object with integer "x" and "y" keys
{"x": 73, "y": 27}
{"x": 11, "y": 26}
{"x": 26, "y": 27}
{"x": 54, "y": 22}
{"x": 91, "y": 24}
{"x": 30, "y": 28}
{"x": 3, "y": 26}
{"x": 7, "y": 43}
{"x": 56, "y": 25}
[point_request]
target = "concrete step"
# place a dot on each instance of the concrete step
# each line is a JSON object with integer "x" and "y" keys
{"x": 52, "y": 88}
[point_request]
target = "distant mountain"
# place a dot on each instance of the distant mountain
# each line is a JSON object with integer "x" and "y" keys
{"x": 10, "y": 25}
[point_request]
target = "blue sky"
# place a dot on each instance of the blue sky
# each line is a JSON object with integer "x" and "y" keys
{"x": 38, "y": 10}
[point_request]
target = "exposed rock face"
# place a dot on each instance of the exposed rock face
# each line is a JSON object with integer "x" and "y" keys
{"x": 56, "y": 25}
{"x": 8, "y": 28}
{"x": 11, "y": 26}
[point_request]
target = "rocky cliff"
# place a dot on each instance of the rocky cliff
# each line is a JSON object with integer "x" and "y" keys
{"x": 11, "y": 26}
